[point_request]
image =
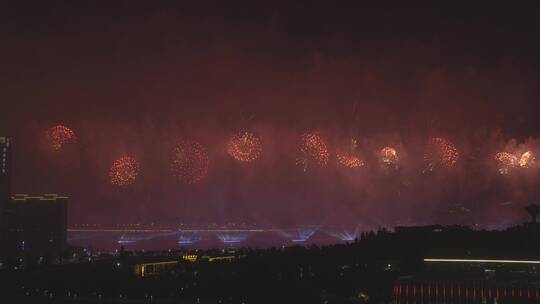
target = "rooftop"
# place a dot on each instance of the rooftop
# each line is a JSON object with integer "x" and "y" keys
{"x": 45, "y": 197}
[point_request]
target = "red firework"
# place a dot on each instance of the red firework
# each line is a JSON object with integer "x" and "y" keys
{"x": 313, "y": 148}
{"x": 58, "y": 136}
{"x": 124, "y": 171}
{"x": 440, "y": 152}
{"x": 190, "y": 162}
{"x": 348, "y": 157}
{"x": 347, "y": 160}
{"x": 244, "y": 147}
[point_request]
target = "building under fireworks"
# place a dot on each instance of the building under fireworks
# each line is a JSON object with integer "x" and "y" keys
{"x": 30, "y": 226}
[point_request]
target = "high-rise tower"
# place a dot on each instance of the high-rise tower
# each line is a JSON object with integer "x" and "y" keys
{"x": 29, "y": 224}
{"x": 5, "y": 172}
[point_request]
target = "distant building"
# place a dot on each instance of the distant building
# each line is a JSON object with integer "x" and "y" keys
{"x": 154, "y": 267}
{"x": 5, "y": 171}
{"x": 35, "y": 225}
{"x": 29, "y": 225}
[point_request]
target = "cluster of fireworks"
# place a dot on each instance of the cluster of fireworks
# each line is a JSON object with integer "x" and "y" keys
{"x": 313, "y": 149}
{"x": 58, "y": 136}
{"x": 190, "y": 162}
{"x": 507, "y": 162}
{"x": 245, "y": 147}
{"x": 124, "y": 171}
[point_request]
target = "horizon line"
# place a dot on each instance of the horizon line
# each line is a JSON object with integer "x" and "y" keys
{"x": 482, "y": 261}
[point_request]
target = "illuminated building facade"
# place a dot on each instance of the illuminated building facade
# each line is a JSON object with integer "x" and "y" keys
{"x": 153, "y": 268}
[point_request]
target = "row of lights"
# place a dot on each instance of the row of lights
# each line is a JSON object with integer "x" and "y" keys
{"x": 5, "y": 142}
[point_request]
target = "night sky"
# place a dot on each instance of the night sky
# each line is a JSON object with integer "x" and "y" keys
{"x": 134, "y": 78}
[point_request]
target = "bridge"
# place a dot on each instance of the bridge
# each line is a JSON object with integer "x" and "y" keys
{"x": 134, "y": 233}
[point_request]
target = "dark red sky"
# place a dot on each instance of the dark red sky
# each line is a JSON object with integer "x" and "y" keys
{"x": 131, "y": 77}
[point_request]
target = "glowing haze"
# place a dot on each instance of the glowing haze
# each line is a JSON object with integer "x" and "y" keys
{"x": 429, "y": 97}
{"x": 189, "y": 162}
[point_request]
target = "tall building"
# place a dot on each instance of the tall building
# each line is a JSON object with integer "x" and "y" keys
{"x": 29, "y": 225}
{"x": 5, "y": 172}
{"x": 35, "y": 225}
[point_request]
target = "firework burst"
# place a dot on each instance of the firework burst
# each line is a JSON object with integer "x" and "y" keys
{"x": 244, "y": 147}
{"x": 190, "y": 162}
{"x": 58, "y": 136}
{"x": 124, "y": 171}
{"x": 348, "y": 157}
{"x": 527, "y": 159}
{"x": 506, "y": 162}
{"x": 313, "y": 149}
{"x": 388, "y": 157}
{"x": 440, "y": 153}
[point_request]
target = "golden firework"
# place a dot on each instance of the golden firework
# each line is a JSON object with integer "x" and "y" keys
{"x": 313, "y": 149}
{"x": 388, "y": 157}
{"x": 527, "y": 159}
{"x": 506, "y": 162}
{"x": 124, "y": 171}
{"x": 244, "y": 147}
{"x": 348, "y": 157}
